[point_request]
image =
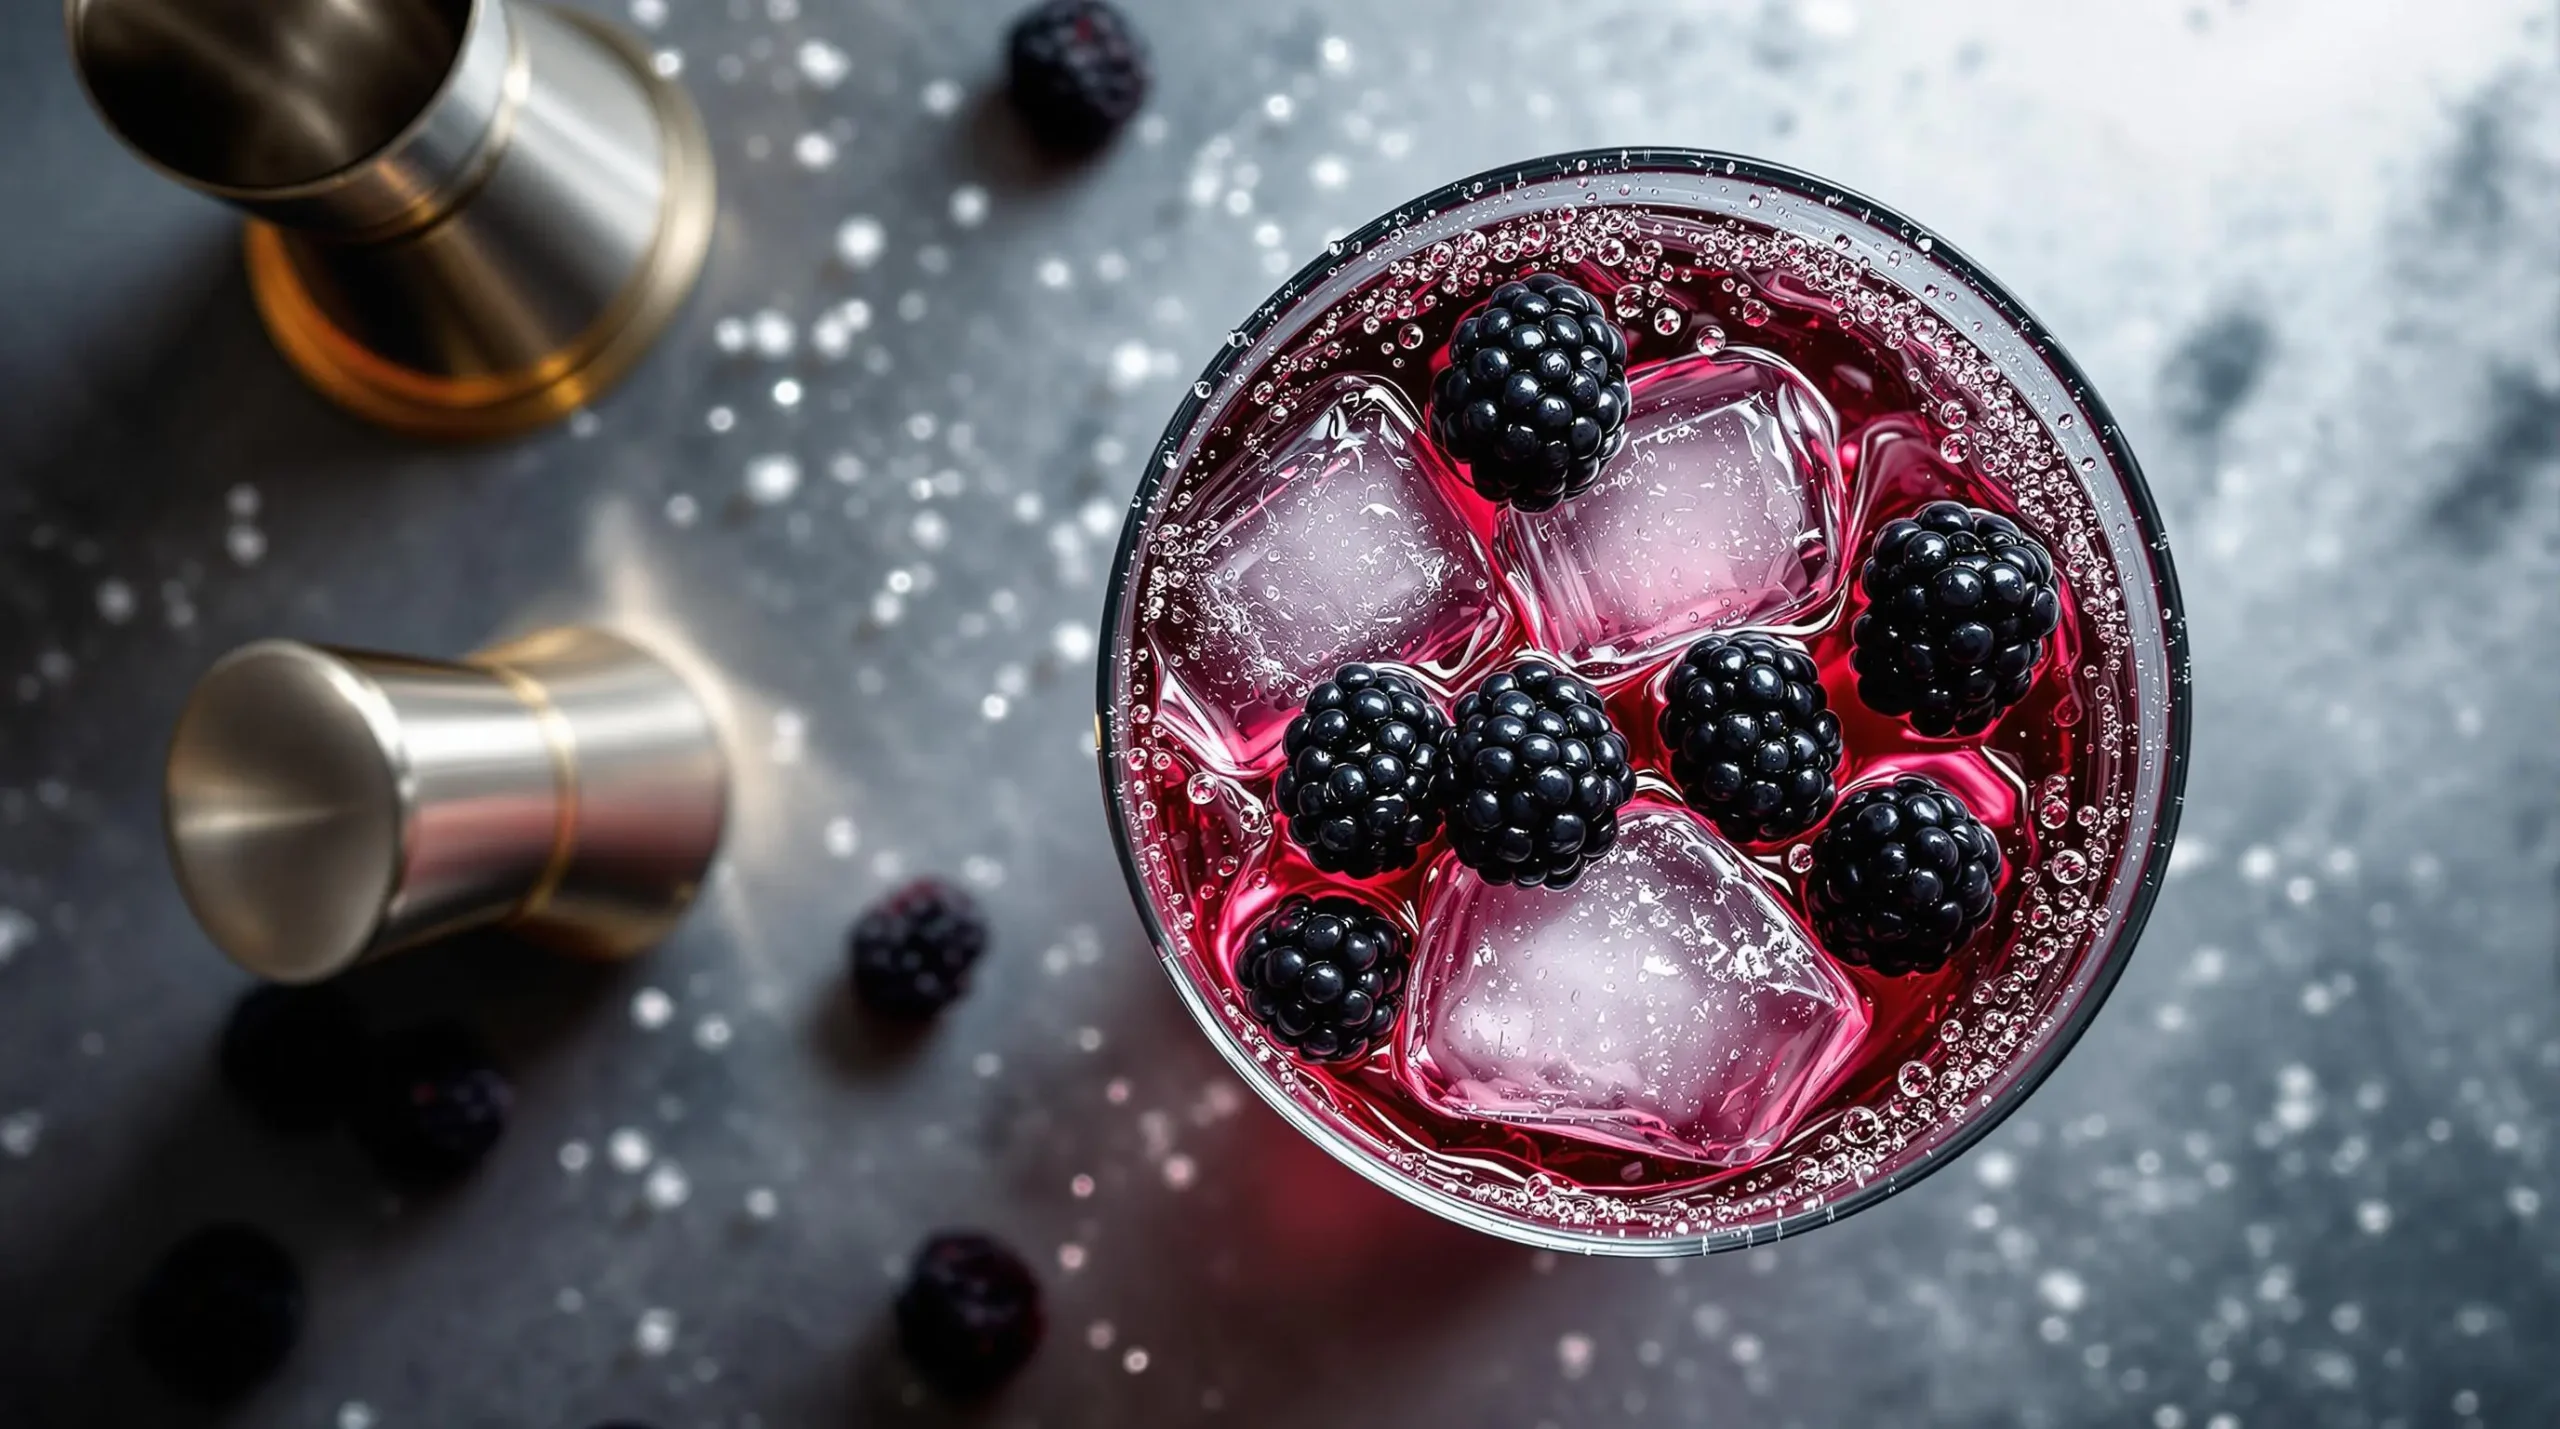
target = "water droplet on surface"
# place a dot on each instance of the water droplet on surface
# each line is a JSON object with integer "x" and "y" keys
{"x": 860, "y": 240}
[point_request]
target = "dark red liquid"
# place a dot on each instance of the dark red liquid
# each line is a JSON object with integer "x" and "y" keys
{"x": 2049, "y": 764}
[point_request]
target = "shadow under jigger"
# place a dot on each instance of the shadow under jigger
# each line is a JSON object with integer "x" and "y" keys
{"x": 466, "y": 217}
{"x": 327, "y": 806}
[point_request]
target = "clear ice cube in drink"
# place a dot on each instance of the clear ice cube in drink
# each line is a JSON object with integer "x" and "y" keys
{"x": 1338, "y": 541}
{"x": 1724, "y": 508}
{"x": 1665, "y": 1003}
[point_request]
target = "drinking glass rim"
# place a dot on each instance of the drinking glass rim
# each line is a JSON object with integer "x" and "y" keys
{"x": 1242, "y": 346}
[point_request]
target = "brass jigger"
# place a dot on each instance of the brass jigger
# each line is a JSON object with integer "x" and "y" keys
{"x": 466, "y": 217}
{"x": 329, "y": 806}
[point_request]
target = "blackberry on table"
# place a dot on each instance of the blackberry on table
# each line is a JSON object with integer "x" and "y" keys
{"x": 292, "y": 1053}
{"x": 1753, "y": 741}
{"x": 218, "y": 1312}
{"x": 1360, "y": 791}
{"x": 1902, "y": 876}
{"x": 1076, "y": 71}
{"x": 1959, "y": 602}
{"x": 1534, "y": 398}
{"x": 970, "y": 1315}
{"x": 430, "y": 1105}
{"x": 1536, "y": 776}
{"x": 1324, "y": 977}
{"x": 912, "y": 951}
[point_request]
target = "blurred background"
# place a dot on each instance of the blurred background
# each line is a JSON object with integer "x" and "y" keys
{"x": 2300, "y": 1173}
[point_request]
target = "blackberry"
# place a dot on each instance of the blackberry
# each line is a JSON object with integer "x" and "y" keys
{"x": 1361, "y": 789}
{"x": 1324, "y": 976}
{"x": 1536, "y": 775}
{"x": 1959, "y": 602}
{"x": 1902, "y": 876}
{"x": 292, "y": 1053}
{"x": 1076, "y": 72}
{"x": 912, "y": 950}
{"x": 430, "y": 1104}
{"x": 969, "y": 1316}
{"x": 1753, "y": 740}
{"x": 1534, "y": 398}
{"x": 218, "y": 1312}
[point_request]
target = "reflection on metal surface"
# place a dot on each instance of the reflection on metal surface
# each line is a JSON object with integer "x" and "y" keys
{"x": 467, "y": 217}
{"x": 327, "y": 806}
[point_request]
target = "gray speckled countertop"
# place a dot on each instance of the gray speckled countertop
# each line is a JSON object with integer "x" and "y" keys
{"x": 2300, "y": 1174}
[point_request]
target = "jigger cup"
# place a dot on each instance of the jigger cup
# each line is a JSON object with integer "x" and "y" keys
{"x": 466, "y": 217}
{"x": 328, "y": 806}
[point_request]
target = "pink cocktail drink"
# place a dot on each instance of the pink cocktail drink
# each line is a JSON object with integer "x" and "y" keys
{"x": 1679, "y": 1050}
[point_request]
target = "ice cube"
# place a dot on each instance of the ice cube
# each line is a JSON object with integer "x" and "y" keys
{"x": 1724, "y": 508}
{"x": 1336, "y": 541}
{"x": 1665, "y": 1003}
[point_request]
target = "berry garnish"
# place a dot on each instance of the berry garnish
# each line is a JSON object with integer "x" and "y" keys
{"x": 969, "y": 1316}
{"x": 1902, "y": 876}
{"x": 1324, "y": 977}
{"x": 1959, "y": 602}
{"x": 218, "y": 1313}
{"x": 1076, "y": 72}
{"x": 1534, "y": 398}
{"x": 1536, "y": 775}
{"x": 1360, "y": 792}
{"x": 430, "y": 1104}
{"x": 1753, "y": 740}
{"x": 912, "y": 950}
{"x": 292, "y": 1053}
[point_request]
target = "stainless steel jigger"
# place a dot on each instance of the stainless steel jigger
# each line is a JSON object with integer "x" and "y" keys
{"x": 466, "y": 217}
{"x": 328, "y": 806}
